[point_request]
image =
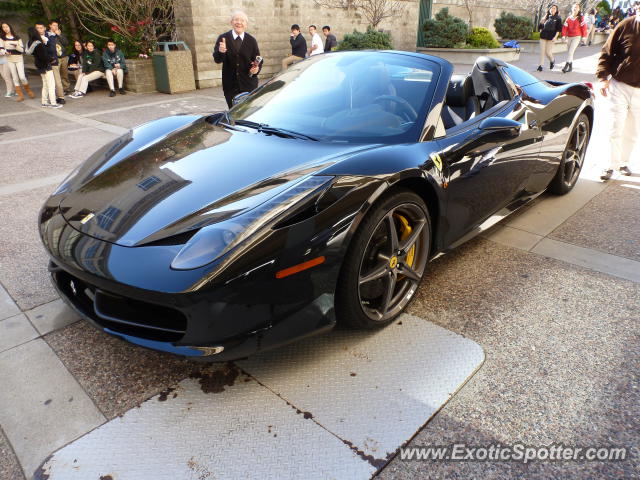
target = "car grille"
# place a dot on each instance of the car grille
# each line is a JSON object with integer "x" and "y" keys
{"x": 121, "y": 314}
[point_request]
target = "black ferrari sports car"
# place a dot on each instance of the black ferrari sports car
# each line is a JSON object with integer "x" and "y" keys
{"x": 319, "y": 198}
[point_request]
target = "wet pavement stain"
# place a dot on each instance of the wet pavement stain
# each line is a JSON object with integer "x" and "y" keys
{"x": 202, "y": 472}
{"x": 215, "y": 381}
{"x": 376, "y": 462}
{"x": 165, "y": 394}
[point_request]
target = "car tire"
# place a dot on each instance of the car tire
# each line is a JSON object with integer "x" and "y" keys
{"x": 399, "y": 266}
{"x": 572, "y": 157}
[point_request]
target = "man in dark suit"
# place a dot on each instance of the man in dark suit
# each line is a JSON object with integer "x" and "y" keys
{"x": 239, "y": 54}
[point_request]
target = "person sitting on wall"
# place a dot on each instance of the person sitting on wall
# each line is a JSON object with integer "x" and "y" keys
{"x": 330, "y": 42}
{"x": 92, "y": 69}
{"x": 74, "y": 64}
{"x": 114, "y": 66}
{"x": 316, "y": 42}
{"x": 298, "y": 47}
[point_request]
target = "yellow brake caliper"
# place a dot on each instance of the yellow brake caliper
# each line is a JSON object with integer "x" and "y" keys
{"x": 405, "y": 231}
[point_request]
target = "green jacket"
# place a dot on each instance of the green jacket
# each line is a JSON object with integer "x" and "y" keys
{"x": 92, "y": 61}
{"x": 110, "y": 59}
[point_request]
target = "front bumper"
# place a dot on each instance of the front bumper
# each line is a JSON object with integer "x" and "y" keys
{"x": 235, "y": 302}
{"x": 168, "y": 329}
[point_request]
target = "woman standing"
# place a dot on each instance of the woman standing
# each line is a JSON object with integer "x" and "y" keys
{"x": 37, "y": 46}
{"x": 550, "y": 28}
{"x": 15, "y": 48}
{"x": 574, "y": 29}
{"x": 591, "y": 23}
{"x": 4, "y": 71}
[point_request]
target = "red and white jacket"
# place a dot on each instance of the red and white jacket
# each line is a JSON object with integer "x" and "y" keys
{"x": 575, "y": 28}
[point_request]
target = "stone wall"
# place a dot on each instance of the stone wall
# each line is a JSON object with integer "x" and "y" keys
{"x": 483, "y": 12}
{"x": 201, "y": 21}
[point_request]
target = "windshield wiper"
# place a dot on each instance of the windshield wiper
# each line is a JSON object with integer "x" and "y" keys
{"x": 282, "y": 132}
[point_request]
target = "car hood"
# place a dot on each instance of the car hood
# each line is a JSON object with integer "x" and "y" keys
{"x": 169, "y": 178}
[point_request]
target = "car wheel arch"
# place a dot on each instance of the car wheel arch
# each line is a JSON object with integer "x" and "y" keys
{"x": 415, "y": 182}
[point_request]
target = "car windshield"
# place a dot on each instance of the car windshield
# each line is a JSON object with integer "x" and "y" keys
{"x": 371, "y": 97}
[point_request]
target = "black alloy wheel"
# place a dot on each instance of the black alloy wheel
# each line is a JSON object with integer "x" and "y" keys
{"x": 572, "y": 158}
{"x": 385, "y": 262}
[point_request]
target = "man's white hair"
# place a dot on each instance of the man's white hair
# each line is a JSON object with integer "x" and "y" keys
{"x": 239, "y": 13}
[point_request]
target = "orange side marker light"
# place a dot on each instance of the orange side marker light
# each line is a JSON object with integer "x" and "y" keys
{"x": 300, "y": 267}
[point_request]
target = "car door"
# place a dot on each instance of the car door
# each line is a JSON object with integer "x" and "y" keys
{"x": 488, "y": 161}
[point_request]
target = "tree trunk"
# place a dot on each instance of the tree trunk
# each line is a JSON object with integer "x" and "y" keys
{"x": 47, "y": 9}
{"x": 72, "y": 22}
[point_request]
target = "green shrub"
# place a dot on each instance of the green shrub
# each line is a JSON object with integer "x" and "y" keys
{"x": 513, "y": 27}
{"x": 445, "y": 31}
{"x": 481, "y": 37}
{"x": 604, "y": 7}
{"x": 371, "y": 39}
{"x": 534, "y": 36}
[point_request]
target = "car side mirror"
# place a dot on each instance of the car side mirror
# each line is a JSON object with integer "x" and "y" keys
{"x": 239, "y": 98}
{"x": 501, "y": 127}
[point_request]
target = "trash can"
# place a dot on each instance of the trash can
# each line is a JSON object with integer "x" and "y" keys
{"x": 173, "y": 68}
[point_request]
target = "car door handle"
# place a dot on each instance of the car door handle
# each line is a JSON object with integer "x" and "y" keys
{"x": 533, "y": 124}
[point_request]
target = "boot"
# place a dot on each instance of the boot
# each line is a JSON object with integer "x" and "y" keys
{"x": 29, "y": 91}
{"x": 20, "y": 95}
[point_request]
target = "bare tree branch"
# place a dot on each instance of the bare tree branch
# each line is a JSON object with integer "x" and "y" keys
{"x": 139, "y": 21}
{"x": 375, "y": 11}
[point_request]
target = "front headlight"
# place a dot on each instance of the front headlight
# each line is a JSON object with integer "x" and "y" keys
{"x": 213, "y": 241}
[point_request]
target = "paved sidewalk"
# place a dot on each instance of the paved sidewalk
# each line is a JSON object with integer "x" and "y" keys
{"x": 550, "y": 294}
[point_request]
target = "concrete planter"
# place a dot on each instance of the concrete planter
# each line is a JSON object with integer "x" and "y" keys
{"x": 140, "y": 77}
{"x": 533, "y": 46}
{"x": 468, "y": 56}
{"x": 599, "y": 37}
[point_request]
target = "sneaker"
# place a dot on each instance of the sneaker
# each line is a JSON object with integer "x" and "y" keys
{"x": 551, "y": 64}
{"x": 625, "y": 171}
{"x": 122, "y": 92}
{"x": 44, "y": 105}
{"x": 112, "y": 93}
{"x": 76, "y": 95}
{"x": 8, "y": 95}
{"x": 57, "y": 105}
{"x": 606, "y": 175}
{"x": 61, "y": 101}
{"x": 539, "y": 68}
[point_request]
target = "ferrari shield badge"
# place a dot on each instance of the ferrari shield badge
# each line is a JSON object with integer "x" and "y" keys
{"x": 437, "y": 161}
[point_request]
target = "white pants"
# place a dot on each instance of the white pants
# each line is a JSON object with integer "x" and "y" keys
{"x": 6, "y": 76}
{"x": 625, "y": 106}
{"x": 17, "y": 72}
{"x": 83, "y": 81}
{"x": 48, "y": 88}
{"x": 546, "y": 50}
{"x": 573, "y": 44}
{"x": 119, "y": 76}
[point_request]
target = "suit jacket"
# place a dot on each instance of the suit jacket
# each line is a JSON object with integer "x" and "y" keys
{"x": 236, "y": 64}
